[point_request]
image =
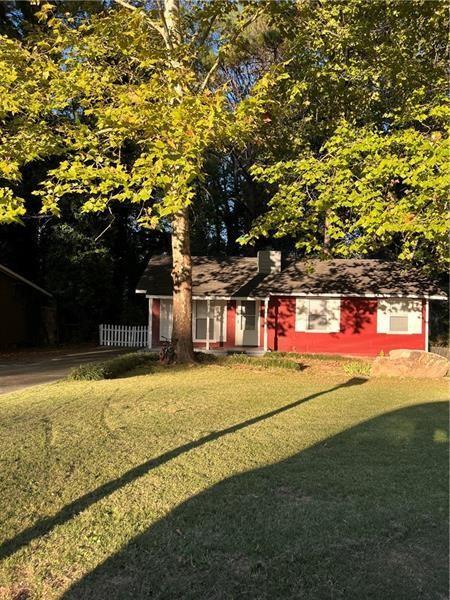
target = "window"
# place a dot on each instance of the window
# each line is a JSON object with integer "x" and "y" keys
{"x": 165, "y": 320}
{"x": 217, "y": 320}
{"x": 398, "y": 323}
{"x": 201, "y": 321}
{"x": 248, "y": 315}
{"x": 318, "y": 315}
{"x": 399, "y": 316}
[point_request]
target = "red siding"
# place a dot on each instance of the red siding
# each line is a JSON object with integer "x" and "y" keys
{"x": 155, "y": 323}
{"x": 358, "y": 333}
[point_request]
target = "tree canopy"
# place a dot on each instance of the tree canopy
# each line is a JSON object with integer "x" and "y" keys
{"x": 318, "y": 127}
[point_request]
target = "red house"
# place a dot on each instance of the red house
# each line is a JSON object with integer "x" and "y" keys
{"x": 354, "y": 306}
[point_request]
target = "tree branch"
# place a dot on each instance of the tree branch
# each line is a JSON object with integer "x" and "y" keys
{"x": 151, "y": 22}
{"x": 232, "y": 40}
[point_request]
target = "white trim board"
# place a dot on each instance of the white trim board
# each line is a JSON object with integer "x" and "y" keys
{"x": 299, "y": 294}
{"x": 331, "y": 295}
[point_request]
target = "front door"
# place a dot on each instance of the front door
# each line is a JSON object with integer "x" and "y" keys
{"x": 247, "y": 323}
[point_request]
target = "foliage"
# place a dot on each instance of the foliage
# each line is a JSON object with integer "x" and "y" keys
{"x": 372, "y": 188}
{"x": 80, "y": 274}
{"x": 357, "y": 368}
{"x": 133, "y": 125}
{"x": 263, "y": 362}
{"x": 305, "y": 356}
{"x": 111, "y": 368}
{"x": 360, "y": 166}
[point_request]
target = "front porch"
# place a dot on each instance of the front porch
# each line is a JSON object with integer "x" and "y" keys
{"x": 220, "y": 325}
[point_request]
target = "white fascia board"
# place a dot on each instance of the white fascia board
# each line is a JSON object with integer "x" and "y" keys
{"x": 227, "y": 298}
{"x": 331, "y": 295}
{"x": 156, "y": 297}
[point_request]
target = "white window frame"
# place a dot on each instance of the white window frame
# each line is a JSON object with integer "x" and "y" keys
{"x": 213, "y": 314}
{"x": 403, "y": 307}
{"x": 302, "y": 312}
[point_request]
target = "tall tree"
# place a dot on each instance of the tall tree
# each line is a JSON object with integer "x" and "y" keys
{"x": 356, "y": 159}
{"x": 128, "y": 96}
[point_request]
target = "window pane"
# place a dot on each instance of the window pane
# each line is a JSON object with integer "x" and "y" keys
{"x": 201, "y": 308}
{"x": 200, "y": 328}
{"x": 248, "y": 309}
{"x": 397, "y": 323}
{"x": 317, "y": 321}
{"x": 318, "y": 317}
{"x": 250, "y": 322}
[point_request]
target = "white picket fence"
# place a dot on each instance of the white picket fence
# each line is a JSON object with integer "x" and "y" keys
{"x": 134, "y": 336}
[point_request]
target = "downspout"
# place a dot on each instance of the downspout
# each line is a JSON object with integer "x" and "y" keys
{"x": 427, "y": 324}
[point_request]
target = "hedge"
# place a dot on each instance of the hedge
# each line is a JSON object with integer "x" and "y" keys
{"x": 111, "y": 368}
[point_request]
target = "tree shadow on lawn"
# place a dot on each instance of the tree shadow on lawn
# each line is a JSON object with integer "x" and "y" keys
{"x": 360, "y": 515}
{"x": 45, "y": 526}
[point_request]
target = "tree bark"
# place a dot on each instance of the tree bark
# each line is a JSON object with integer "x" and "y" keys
{"x": 182, "y": 287}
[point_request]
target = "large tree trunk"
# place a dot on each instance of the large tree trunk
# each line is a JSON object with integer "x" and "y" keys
{"x": 182, "y": 287}
{"x": 181, "y": 243}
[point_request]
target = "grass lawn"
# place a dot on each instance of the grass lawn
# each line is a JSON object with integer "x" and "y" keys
{"x": 225, "y": 482}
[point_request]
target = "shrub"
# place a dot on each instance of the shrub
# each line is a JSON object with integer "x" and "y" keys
{"x": 111, "y": 368}
{"x": 358, "y": 367}
{"x": 305, "y": 356}
{"x": 263, "y": 361}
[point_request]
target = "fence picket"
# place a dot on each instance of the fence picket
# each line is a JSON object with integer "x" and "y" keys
{"x": 128, "y": 336}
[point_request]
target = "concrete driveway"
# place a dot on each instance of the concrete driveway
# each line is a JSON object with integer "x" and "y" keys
{"x": 23, "y": 370}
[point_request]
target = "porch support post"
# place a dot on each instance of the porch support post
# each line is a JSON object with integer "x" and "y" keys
{"x": 150, "y": 322}
{"x": 427, "y": 324}
{"x": 266, "y": 311}
{"x": 208, "y": 304}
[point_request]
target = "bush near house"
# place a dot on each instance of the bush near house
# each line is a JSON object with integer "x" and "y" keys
{"x": 357, "y": 367}
{"x": 275, "y": 362}
{"x": 112, "y": 368}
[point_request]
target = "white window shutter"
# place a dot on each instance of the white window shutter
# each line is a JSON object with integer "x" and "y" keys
{"x": 165, "y": 320}
{"x": 415, "y": 316}
{"x": 333, "y": 307}
{"x": 301, "y": 314}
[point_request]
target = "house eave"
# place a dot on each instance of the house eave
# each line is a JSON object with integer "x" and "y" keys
{"x": 15, "y": 275}
{"x": 353, "y": 295}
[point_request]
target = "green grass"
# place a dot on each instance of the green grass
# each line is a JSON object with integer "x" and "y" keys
{"x": 226, "y": 482}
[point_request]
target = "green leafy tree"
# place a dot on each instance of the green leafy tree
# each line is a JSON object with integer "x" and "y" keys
{"x": 355, "y": 155}
{"x": 128, "y": 96}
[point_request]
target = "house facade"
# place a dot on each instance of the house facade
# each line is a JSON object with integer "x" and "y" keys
{"x": 268, "y": 303}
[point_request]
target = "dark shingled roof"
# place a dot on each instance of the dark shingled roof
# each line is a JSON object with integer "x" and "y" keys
{"x": 239, "y": 277}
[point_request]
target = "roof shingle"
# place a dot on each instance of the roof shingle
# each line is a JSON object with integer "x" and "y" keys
{"x": 239, "y": 277}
